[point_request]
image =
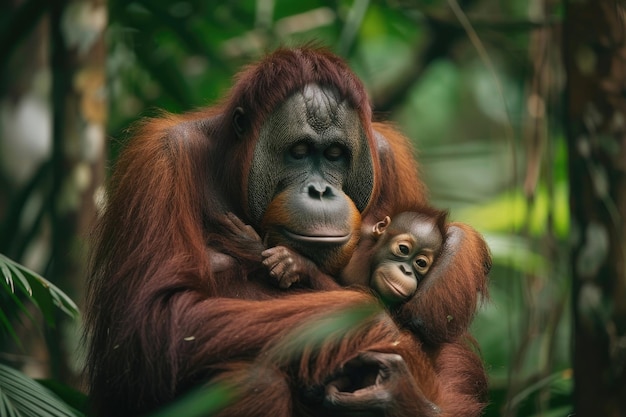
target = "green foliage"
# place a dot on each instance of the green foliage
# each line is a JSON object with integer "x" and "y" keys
{"x": 73, "y": 398}
{"x": 203, "y": 401}
{"x": 441, "y": 82}
{"x": 18, "y": 282}
{"x": 21, "y": 396}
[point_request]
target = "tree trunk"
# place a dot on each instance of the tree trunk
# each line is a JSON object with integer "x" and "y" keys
{"x": 595, "y": 63}
{"x": 79, "y": 115}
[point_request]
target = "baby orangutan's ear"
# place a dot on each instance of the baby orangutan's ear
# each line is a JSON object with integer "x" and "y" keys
{"x": 381, "y": 226}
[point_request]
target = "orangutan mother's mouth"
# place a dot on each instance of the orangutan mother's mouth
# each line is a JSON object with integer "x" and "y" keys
{"x": 322, "y": 239}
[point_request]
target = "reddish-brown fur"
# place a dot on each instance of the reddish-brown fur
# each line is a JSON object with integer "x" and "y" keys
{"x": 446, "y": 300}
{"x": 161, "y": 320}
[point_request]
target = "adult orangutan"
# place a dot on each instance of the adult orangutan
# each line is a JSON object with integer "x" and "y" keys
{"x": 177, "y": 301}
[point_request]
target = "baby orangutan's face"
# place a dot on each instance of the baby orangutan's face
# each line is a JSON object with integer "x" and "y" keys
{"x": 403, "y": 255}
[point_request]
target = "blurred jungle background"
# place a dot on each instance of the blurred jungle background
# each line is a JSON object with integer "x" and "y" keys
{"x": 516, "y": 109}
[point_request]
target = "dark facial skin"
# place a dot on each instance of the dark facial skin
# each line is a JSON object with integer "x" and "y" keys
{"x": 405, "y": 249}
{"x": 309, "y": 199}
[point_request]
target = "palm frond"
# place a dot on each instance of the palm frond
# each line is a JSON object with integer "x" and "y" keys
{"x": 18, "y": 284}
{"x": 22, "y": 396}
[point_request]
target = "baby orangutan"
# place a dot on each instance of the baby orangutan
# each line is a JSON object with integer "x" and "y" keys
{"x": 395, "y": 256}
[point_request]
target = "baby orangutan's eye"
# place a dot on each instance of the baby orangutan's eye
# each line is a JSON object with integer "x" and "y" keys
{"x": 422, "y": 264}
{"x": 402, "y": 249}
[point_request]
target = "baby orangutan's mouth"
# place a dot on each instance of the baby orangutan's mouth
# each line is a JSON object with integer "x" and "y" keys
{"x": 400, "y": 291}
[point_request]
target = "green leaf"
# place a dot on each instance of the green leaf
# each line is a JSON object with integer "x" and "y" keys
{"x": 510, "y": 212}
{"x": 548, "y": 381}
{"x": 6, "y": 273}
{"x": 200, "y": 402}
{"x": 37, "y": 289}
{"x": 5, "y": 324}
{"x": 74, "y": 398}
{"x": 6, "y": 317}
{"x": 22, "y": 396}
{"x": 515, "y": 252}
{"x": 22, "y": 281}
